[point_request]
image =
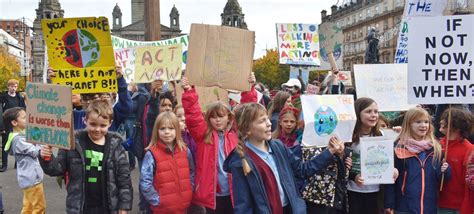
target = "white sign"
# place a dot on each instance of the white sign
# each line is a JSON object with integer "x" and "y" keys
{"x": 376, "y": 160}
{"x": 414, "y": 8}
{"x": 126, "y": 58}
{"x": 384, "y": 83}
{"x": 441, "y": 69}
{"x": 325, "y": 116}
{"x": 298, "y": 44}
{"x": 295, "y": 71}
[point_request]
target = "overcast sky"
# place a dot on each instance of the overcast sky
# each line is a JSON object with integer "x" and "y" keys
{"x": 260, "y": 15}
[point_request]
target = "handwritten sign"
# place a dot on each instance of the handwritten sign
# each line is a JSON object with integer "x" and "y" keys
{"x": 298, "y": 44}
{"x": 126, "y": 59}
{"x": 325, "y": 116}
{"x": 330, "y": 41}
{"x": 49, "y": 115}
{"x": 414, "y": 8}
{"x": 385, "y": 83}
{"x": 220, "y": 56}
{"x": 80, "y": 49}
{"x": 376, "y": 160}
{"x": 441, "y": 70}
{"x": 207, "y": 95}
{"x": 158, "y": 63}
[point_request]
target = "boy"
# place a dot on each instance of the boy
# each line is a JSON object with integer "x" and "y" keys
{"x": 99, "y": 173}
{"x": 29, "y": 172}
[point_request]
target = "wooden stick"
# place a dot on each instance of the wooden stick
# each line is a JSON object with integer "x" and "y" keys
{"x": 447, "y": 144}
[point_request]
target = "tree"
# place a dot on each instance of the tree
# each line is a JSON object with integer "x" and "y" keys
{"x": 9, "y": 69}
{"x": 269, "y": 71}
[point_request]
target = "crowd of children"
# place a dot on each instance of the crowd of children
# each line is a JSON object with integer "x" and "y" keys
{"x": 247, "y": 158}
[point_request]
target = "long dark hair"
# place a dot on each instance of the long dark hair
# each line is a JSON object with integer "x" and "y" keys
{"x": 359, "y": 105}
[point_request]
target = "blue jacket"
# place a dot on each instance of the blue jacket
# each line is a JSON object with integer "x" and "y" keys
{"x": 249, "y": 192}
{"x": 121, "y": 110}
{"x": 411, "y": 193}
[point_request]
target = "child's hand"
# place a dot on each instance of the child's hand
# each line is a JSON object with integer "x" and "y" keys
{"x": 333, "y": 145}
{"x": 359, "y": 180}
{"x": 445, "y": 166}
{"x": 156, "y": 87}
{"x": 51, "y": 73}
{"x": 397, "y": 129}
{"x": 348, "y": 162}
{"x": 340, "y": 145}
{"x": 388, "y": 211}
{"x": 119, "y": 71}
{"x": 252, "y": 79}
{"x": 185, "y": 84}
{"x": 46, "y": 152}
{"x": 122, "y": 212}
{"x": 395, "y": 174}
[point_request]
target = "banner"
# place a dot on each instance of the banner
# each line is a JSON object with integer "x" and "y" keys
{"x": 298, "y": 44}
{"x": 330, "y": 41}
{"x": 414, "y": 8}
{"x": 441, "y": 70}
{"x": 376, "y": 160}
{"x": 325, "y": 116}
{"x": 49, "y": 115}
{"x": 384, "y": 83}
{"x": 220, "y": 56}
{"x": 81, "y": 51}
{"x": 158, "y": 63}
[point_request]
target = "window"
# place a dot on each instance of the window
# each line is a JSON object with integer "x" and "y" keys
{"x": 361, "y": 33}
{"x": 385, "y": 24}
{"x": 360, "y": 15}
{"x": 368, "y": 12}
{"x": 354, "y": 34}
{"x": 376, "y": 9}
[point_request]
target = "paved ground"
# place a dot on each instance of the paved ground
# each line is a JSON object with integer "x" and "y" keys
{"x": 55, "y": 197}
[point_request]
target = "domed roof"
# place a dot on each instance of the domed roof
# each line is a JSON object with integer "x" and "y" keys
{"x": 232, "y": 6}
{"x": 117, "y": 8}
{"x": 174, "y": 10}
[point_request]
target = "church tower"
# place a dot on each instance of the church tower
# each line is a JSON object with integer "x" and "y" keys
{"x": 232, "y": 15}
{"x": 117, "y": 16}
{"x": 174, "y": 19}
{"x": 47, "y": 9}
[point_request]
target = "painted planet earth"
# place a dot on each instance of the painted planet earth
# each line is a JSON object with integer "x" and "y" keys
{"x": 82, "y": 48}
{"x": 325, "y": 121}
{"x": 36, "y": 134}
{"x": 376, "y": 162}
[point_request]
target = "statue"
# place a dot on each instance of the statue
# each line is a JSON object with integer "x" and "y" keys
{"x": 372, "y": 52}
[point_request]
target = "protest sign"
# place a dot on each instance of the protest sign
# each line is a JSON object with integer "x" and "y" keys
{"x": 49, "y": 115}
{"x": 207, "y": 95}
{"x": 158, "y": 63}
{"x": 298, "y": 44}
{"x": 345, "y": 77}
{"x": 441, "y": 69}
{"x": 295, "y": 71}
{"x": 414, "y": 8}
{"x": 376, "y": 160}
{"x": 220, "y": 56}
{"x": 384, "y": 83}
{"x": 325, "y": 116}
{"x": 126, "y": 59}
{"x": 81, "y": 51}
{"x": 330, "y": 41}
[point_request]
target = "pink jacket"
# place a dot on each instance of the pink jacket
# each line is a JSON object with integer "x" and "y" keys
{"x": 206, "y": 154}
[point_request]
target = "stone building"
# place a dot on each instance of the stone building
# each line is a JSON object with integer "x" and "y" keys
{"x": 136, "y": 30}
{"x": 22, "y": 33}
{"x": 47, "y": 9}
{"x": 233, "y": 16}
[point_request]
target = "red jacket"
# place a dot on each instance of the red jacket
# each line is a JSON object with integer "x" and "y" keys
{"x": 206, "y": 154}
{"x": 455, "y": 194}
{"x": 172, "y": 179}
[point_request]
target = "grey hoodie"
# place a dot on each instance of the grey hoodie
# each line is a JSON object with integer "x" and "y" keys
{"x": 29, "y": 171}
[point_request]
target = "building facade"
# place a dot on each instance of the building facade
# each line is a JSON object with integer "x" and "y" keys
{"x": 233, "y": 16}
{"x": 18, "y": 29}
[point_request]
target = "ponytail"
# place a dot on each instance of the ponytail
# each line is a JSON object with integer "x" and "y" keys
{"x": 240, "y": 150}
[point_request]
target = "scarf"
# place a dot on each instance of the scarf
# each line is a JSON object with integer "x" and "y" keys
{"x": 288, "y": 141}
{"x": 417, "y": 146}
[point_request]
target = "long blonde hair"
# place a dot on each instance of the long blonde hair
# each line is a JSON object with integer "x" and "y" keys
{"x": 245, "y": 115}
{"x": 163, "y": 119}
{"x": 410, "y": 117}
{"x": 216, "y": 109}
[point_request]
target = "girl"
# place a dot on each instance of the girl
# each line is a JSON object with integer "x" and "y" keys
{"x": 167, "y": 171}
{"x": 418, "y": 157}
{"x": 286, "y": 131}
{"x": 264, "y": 170}
{"x": 455, "y": 195}
{"x": 215, "y": 139}
{"x": 281, "y": 99}
{"x": 363, "y": 199}
{"x": 186, "y": 136}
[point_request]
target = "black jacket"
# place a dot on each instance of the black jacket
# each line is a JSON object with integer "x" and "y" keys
{"x": 119, "y": 192}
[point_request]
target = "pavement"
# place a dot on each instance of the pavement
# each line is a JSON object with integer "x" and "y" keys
{"x": 55, "y": 197}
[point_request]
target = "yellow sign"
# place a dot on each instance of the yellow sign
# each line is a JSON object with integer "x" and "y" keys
{"x": 80, "y": 49}
{"x": 158, "y": 63}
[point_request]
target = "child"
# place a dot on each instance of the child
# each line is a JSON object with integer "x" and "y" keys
{"x": 29, "y": 172}
{"x": 470, "y": 172}
{"x": 281, "y": 99}
{"x": 98, "y": 168}
{"x": 215, "y": 139}
{"x": 264, "y": 170}
{"x": 167, "y": 172}
{"x": 418, "y": 158}
{"x": 455, "y": 195}
{"x": 186, "y": 136}
{"x": 286, "y": 130}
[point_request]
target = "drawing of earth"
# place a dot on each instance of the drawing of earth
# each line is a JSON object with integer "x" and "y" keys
{"x": 36, "y": 134}
{"x": 325, "y": 121}
{"x": 376, "y": 162}
{"x": 82, "y": 48}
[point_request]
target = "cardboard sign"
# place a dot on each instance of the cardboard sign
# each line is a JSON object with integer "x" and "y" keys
{"x": 325, "y": 116}
{"x": 384, "y": 83}
{"x": 220, "y": 56}
{"x": 376, "y": 160}
{"x": 81, "y": 51}
{"x": 126, "y": 59}
{"x": 414, "y": 8}
{"x": 298, "y": 44}
{"x": 330, "y": 41}
{"x": 49, "y": 115}
{"x": 207, "y": 95}
{"x": 441, "y": 70}
{"x": 158, "y": 63}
